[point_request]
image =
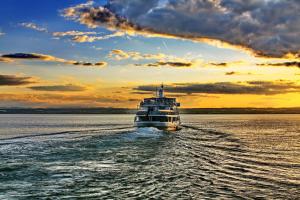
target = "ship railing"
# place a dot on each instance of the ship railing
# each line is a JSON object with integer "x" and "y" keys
{"x": 157, "y": 104}
{"x": 156, "y": 113}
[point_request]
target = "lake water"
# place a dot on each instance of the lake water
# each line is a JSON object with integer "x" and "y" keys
{"x": 104, "y": 157}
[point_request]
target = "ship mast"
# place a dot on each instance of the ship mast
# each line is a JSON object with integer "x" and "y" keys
{"x": 161, "y": 91}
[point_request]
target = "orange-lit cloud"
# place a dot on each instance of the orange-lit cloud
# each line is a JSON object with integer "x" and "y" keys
{"x": 12, "y": 80}
{"x": 7, "y": 60}
{"x": 282, "y": 64}
{"x": 59, "y": 88}
{"x": 178, "y": 64}
{"x": 65, "y": 99}
{"x": 203, "y": 94}
{"x": 226, "y": 64}
{"x": 249, "y": 87}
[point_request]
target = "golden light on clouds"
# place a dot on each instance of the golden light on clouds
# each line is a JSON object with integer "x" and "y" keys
{"x": 113, "y": 54}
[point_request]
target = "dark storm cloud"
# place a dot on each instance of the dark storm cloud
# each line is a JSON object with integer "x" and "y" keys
{"x": 250, "y": 87}
{"x": 11, "y": 80}
{"x": 83, "y": 63}
{"x": 230, "y": 73}
{"x": 90, "y": 64}
{"x": 175, "y": 64}
{"x": 48, "y": 58}
{"x": 168, "y": 63}
{"x": 24, "y": 56}
{"x": 219, "y": 64}
{"x": 59, "y": 88}
{"x": 284, "y": 64}
{"x": 101, "y": 64}
{"x": 270, "y": 28}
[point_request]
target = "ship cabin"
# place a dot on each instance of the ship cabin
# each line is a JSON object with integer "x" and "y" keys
{"x": 158, "y": 109}
{"x": 160, "y": 112}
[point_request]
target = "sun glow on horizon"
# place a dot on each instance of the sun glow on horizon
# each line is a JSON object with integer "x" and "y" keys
{"x": 63, "y": 57}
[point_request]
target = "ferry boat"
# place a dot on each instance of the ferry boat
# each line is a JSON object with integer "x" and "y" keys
{"x": 160, "y": 112}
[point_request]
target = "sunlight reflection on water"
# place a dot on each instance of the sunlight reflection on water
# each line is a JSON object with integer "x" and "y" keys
{"x": 103, "y": 156}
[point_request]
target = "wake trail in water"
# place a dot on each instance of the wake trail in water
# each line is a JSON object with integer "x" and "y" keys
{"x": 206, "y": 130}
{"x": 241, "y": 163}
{"x": 73, "y": 132}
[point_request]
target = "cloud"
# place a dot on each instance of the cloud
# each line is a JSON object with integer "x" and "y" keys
{"x": 168, "y": 63}
{"x": 230, "y": 73}
{"x": 72, "y": 33}
{"x": 64, "y": 99}
{"x": 96, "y": 16}
{"x": 80, "y": 37}
{"x": 143, "y": 93}
{"x": 222, "y": 64}
{"x": 269, "y": 28}
{"x": 87, "y": 38}
{"x": 7, "y": 60}
{"x": 250, "y": 87}
{"x": 1, "y": 33}
{"x": 98, "y": 64}
{"x": 12, "y": 80}
{"x": 118, "y": 54}
{"x": 282, "y": 64}
{"x": 32, "y": 56}
{"x": 34, "y": 27}
{"x": 76, "y": 36}
{"x": 59, "y": 88}
{"x": 175, "y": 64}
{"x": 162, "y": 59}
{"x": 48, "y": 58}
{"x": 237, "y": 63}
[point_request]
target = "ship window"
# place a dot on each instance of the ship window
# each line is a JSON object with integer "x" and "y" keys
{"x": 160, "y": 118}
{"x": 163, "y": 108}
{"x": 143, "y": 118}
{"x": 174, "y": 119}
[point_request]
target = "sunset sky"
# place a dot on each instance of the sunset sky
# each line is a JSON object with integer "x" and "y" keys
{"x": 208, "y": 53}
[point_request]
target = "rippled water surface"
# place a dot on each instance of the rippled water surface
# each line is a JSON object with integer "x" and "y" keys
{"x": 104, "y": 157}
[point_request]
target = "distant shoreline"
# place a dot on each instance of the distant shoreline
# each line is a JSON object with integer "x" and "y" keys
{"x": 132, "y": 111}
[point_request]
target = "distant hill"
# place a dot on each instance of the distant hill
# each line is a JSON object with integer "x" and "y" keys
{"x": 66, "y": 111}
{"x": 132, "y": 111}
{"x": 241, "y": 111}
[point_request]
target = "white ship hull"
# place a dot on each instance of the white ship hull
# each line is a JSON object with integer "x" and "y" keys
{"x": 160, "y": 125}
